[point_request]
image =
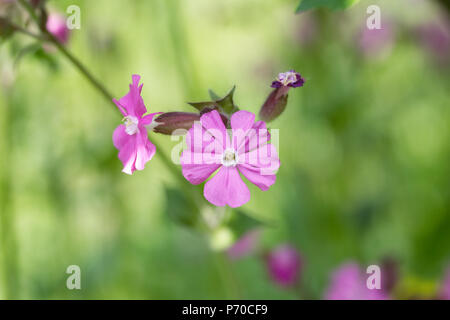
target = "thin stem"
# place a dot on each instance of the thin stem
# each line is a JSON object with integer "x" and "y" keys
{"x": 28, "y": 33}
{"x": 106, "y": 94}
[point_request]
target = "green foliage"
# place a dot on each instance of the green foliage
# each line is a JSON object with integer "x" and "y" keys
{"x": 224, "y": 105}
{"x": 306, "y": 5}
{"x": 179, "y": 208}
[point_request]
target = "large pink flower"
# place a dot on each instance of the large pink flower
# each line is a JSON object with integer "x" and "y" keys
{"x": 131, "y": 138}
{"x": 243, "y": 149}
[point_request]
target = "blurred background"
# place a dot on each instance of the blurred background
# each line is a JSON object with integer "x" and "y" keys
{"x": 364, "y": 146}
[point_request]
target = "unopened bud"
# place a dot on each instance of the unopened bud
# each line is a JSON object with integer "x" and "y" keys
{"x": 277, "y": 99}
{"x": 168, "y": 122}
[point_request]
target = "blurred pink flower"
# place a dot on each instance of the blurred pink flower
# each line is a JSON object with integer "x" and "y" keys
{"x": 445, "y": 290}
{"x": 435, "y": 38}
{"x": 209, "y": 148}
{"x": 245, "y": 245}
{"x": 284, "y": 265}
{"x": 56, "y": 25}
{"x": 348, "y": 283}
{"x": 131, "y": 138}
{"x": 376, "y": 42}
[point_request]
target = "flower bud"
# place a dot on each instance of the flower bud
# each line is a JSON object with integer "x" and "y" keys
{"x": 168, "y": 122}
{"x": 56, "y": 25}
{"x": 277, "y": 99}
{"x": 284, "y": 264}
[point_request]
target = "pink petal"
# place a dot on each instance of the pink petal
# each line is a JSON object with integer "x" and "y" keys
{"x": 265, "y": 158}
{"x": 147, "y": 119}
{"x": 144, "y": 149}
{"x": 202, "y": 147}
{"x": 196, "y": 174}
{"x": 213, "y": 123}
{"x": 256, "y": 137}
{"x": 254, "y": 176}
{"x": 132, "y": 102}
{"x": 227, "y": 187}
{"x": 127, "y": 155}
{"x": 120, "y": 137}
{"x": 241, "y": 122}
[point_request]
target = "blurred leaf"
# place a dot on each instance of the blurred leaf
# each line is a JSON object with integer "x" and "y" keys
{"x": 6, "y": 29}
{"x": 240, "y": 222}
{"x": 179, "y": 208}
{"x": 47, "y": 58}
{"x": 306, "y": 5}
{"x": 29, "y": 49}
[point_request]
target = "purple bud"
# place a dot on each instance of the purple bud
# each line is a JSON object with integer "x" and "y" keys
{"x": 284, "y": 264}
{"x": 168, "y": 122}
{"x": 56, "y": 25}
{"x": 277, "y": 100}
{"x": 288, "y": 79}
{"x": 245, "y": 245}
{"x": 274, "y": 105}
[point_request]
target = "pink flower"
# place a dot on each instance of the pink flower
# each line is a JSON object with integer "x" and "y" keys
{"x": 210, "y": 149}
{"x": 348, "y": 283}
{"x": 284, "y": 265}
{"x": 131, "y": 138}
{"x": 56, "y": 25}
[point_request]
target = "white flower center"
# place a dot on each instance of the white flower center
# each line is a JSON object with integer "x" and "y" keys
{"x": 229, "y": 158}
{"x": 287, "y": 78}
{"x": 131, "y": 124}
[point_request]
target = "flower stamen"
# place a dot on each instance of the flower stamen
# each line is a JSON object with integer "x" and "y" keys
{"x": 131, "y": 124}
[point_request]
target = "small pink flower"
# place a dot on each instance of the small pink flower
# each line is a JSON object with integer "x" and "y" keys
{"x": 56, "y": 25}
{"x": 348, "y": 283}
{"x": 131, "y": 138}
{"x": 284, "y": 264}
{"x": 242, "y": 150}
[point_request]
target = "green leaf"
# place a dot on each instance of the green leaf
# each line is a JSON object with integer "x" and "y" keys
{"x": 241, "y": 222}
{"x": 27, "y": 50}
{"x": 179, "y": 208}
{"x": 227, "y": 103}
{"x": 213, "y": 95}
{"x": 202, "y": 105}
{"x": 306, "y": 5}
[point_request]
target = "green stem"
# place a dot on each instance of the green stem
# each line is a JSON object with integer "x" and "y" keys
{"x": 195, "y": 197}
{"x": 84, "y": 71}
